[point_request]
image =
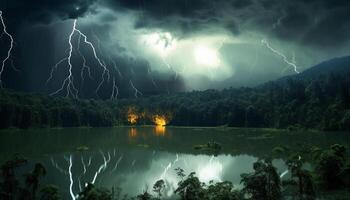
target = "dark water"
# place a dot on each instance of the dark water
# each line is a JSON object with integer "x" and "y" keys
{"x": 135, "y": 158}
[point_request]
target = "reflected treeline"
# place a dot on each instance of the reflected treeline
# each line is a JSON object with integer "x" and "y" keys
{"x": 313, "y": 173}
{"x": 254, "y": 142}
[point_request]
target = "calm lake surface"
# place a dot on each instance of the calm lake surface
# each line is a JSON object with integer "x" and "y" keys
{"x": 134, "y": 158}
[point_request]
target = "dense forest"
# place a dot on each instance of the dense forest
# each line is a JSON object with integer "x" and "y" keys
{"x": 321, "y": 103}
{"x": 318, "y": 98}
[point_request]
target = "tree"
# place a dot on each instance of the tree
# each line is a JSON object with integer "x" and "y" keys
{"x": 345, "y": 122}
{"x": 330, "y": 166}
{"x": 32, "y": 181}
{"x": 144, "y": 196}
{"x": 304, "y": 178}
{"x": 263, "y": 183}
{"x": 26, "y": 119}
{"x": 10, "y": 184}
{"x": 50, "y": 192}
{"x": 252, "y": 117}
{"x": 90, "y": 192}
{"x": 158, "y": 187}
{"x": 191, "y": 188}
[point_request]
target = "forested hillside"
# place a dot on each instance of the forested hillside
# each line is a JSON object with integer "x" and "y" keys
{"x": 318, "y": 102}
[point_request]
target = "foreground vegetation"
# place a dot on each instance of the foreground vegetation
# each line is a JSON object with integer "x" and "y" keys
{"x": 330, "y": 172}
{"x": 322, "y": 103}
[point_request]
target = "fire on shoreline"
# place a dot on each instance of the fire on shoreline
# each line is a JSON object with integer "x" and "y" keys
{"x": 159, "y": 120}
{"x": 132, "y": 116}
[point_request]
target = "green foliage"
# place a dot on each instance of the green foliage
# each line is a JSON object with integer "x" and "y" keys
{"x": 90, "y": 192}
{"x": 302, "y": 177}
{"x": 158, "y": 187}
{"x": 223, "y": 191}
{"x": 144, "y": 196}
{"x": 263, "y": 183}
{"x": 12, "y": 189}
{"x": 345, "y": 122}
{"x": 317, "y": 103}
{"x": 50, "y": 192}
{"x": 331, "y": 166}
{"x": 191, "y": 188}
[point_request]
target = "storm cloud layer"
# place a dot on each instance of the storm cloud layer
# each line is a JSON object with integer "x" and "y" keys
{"x": 305, "y": 31}
{"x": 317, "y": 22}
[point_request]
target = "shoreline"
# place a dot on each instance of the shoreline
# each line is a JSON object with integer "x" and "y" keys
{"x": 222, "y": 128}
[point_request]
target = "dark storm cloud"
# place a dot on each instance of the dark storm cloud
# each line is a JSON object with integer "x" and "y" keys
{"x": 308, "y": 22}
{"x": 178, "y": 16}
{"x": 332, "y": 30}
{"x": 44, "y": 11}
{"x": 241, "y": 3}
{"x": 318, "y": 23}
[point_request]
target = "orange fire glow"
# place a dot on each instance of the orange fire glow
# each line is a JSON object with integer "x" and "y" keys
{"x": 132, "y": 116}
{"x": 160, "y": 130}
{"x": 132, "y": 133}
{"x": 159, "y": 120}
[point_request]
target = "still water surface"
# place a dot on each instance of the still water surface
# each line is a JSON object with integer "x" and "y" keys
{"x": 134, "y": 158}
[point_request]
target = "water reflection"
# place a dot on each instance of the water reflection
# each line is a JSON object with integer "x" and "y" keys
{"x": 135, "y": 170}
{"x": 159, "y": 130}
{"x": 135, "y": 158}
{"x": 132, "y": 132}
{"x": 211, "y": 171}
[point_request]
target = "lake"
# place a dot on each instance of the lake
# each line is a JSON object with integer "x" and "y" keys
{"x": 134, "y": 158}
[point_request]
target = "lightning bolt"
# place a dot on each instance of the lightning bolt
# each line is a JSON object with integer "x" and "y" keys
{"x": 284, "y": 173}
{"x": 115, "y": 90}
{"x": 116, "y": 68}
{"x": 102, "y": 167}
{"x": 106, "y": 160}
{"x": 152, "y": 79}
{"x": 167, "y": 64}
{"x": 117, "y": 163}
{"x": 133, "y": 163}
{"x": 68, "y": 82}
{"x": 177, "y": 159}
{"x": 4, "y": 31}
{"x": 166, "y": 169}
{"x": 287, "y": 67}
{"x": 85, "y": 66}
{"x": 266, "y": 43}
{"x": 58, "y": 167}
{"x": 83, "y": 173}
{"x": 89, "y": 163}
{"x": 68, "y": 172}
{"x": 71, "y": 178}
{"x": 137, "y": 92}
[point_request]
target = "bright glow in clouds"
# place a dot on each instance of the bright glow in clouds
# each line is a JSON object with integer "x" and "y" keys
{"x": 193, "y": 57}
{"x": 206, "y": 56}
{"x": 162, "y": 43}
{"x": 188, "y": 57}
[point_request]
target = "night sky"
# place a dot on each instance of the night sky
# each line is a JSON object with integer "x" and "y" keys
{"x": 166, "y": 46}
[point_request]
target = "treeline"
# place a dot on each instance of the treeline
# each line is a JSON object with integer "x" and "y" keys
{"x": 315, "y": 103}
{"x": 321, "y": 103}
